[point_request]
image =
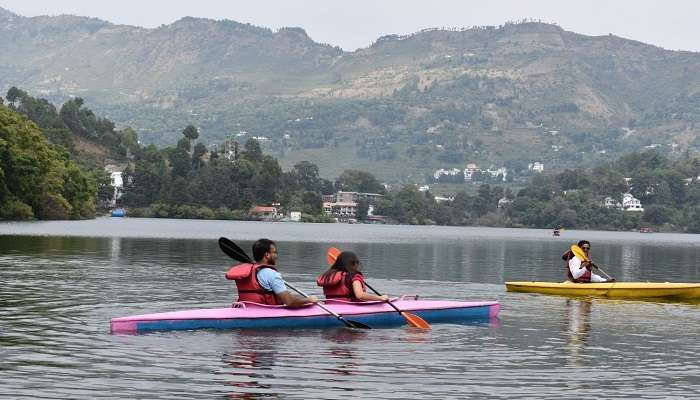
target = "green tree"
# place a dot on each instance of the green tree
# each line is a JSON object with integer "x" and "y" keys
{"x": 252, "y": 151}
{"x": 36, "y": 178}
{"x": 190, "y": 133}
{"x": 657, "y": 214}
{"x": 359, "y": 181}
{"x": 307, "y": 177}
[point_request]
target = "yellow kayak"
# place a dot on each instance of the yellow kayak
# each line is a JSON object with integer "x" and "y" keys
{"x": 613, "y": 290}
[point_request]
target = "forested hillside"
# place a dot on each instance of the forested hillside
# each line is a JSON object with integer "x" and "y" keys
{"x": 406, "y": 105}
{"x": 37, "y": 179}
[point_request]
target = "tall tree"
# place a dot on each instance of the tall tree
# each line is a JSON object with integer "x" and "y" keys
{"x": 359, "y": 181}
{"x": 190, "y": 133}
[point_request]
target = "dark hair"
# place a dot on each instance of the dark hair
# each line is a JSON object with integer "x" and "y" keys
{"x": 260, "y": 247}
{"x": 346, "y": 262}
{"x": 582, "y": 242}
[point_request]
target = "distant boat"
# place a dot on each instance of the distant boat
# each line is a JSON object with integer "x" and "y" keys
{"x": 118, "y": 212}
{"x": 556, "y": 232}
{"x": 646, "y": 229}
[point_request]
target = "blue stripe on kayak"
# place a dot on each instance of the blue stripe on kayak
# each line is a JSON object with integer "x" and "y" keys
{"x": 377, "y": 320}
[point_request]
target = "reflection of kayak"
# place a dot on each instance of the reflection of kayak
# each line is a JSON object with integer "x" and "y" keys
{"x": 619, "y": 290}
{"x": 252, "y": 315}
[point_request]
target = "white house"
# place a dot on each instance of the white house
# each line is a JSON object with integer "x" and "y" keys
{"x": 446, "y": 172}
{"x": 504, "y": 202}
{"x": 295, "y": 216}
{"x": 499, "y": 171}
{"x": 118, "y": 185}
{"x": 116, "y": 179}
{"x": 630, "y": 203}
{"x": 469, "y": 171}
{"x": 536, "y": 167}
{"x": 442, "y": 199}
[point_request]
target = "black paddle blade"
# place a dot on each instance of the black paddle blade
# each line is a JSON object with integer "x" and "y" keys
{"x": 355, "y": 324}
{"x": 232, "y": 250}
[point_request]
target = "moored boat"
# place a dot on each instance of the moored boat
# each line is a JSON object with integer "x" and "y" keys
{"x": 253, "y": 315}
{"x": 615, "y": 290}
{"x": 118, "y": 212}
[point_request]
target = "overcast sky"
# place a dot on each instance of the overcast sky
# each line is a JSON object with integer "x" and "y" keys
{"x": 672, "y": 24}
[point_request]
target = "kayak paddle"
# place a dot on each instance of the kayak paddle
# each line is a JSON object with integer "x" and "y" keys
{"x": 232, "y": 250}
{"x": 411, "y": 319}
{"x": 610, "y": 278}
{"x": 349, "y": 323}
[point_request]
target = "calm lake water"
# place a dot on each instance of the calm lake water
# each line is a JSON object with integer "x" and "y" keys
{"x": 61, "y": 283}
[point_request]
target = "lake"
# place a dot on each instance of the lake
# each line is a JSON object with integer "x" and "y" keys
{"x": 62, "y": 281}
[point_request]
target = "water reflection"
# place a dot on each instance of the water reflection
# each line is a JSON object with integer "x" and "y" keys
{"x": 251, "y": 363}
{"x": 346, "y": 360}
{"x": 629, "y": 261}
{"x": 115, "y": 248}
{"x": 578, "y": 317}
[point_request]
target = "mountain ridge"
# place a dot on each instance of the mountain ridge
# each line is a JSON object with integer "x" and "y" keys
{"x": 483, "y": 94}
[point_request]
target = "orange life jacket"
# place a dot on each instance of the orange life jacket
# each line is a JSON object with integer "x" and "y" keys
{"x": 249, "y": 289}
{"x": 585, "y": 278}
{"x": 336, "y": 286}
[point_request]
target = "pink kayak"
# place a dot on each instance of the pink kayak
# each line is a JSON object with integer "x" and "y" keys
{"x": 253, "y": 315}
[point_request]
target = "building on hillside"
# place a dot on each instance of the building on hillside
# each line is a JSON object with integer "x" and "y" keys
{"x": 630, "y": 203}
{"x": 609, "y": 202}
{"x": 347, "y": 197}
{"x": 423, "y": 188}
{"x": 498, "y": 171}
{"x": 446, "y": 172}
{"x": 343, "y": 205}
{"x": 442, "y": 199}
{"x": 536, "y": 167}
{"x": 470, "y": 170}
{"x": 264, "y": 212}
{"x": 343, "y": 211}
{"x": 504, "y": 202}
{"x": 116, "y": 178}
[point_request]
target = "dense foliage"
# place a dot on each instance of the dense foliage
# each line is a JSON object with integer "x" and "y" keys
{"x": 669, "y": 191}
{"x": 75, "y": 128}
{"x": 37, "y": 179}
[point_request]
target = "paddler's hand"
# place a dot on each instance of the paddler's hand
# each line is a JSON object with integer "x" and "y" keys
{"x": 312, "y": 299}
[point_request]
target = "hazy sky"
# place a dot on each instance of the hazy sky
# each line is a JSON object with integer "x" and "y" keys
{"x": 672, "y": 24}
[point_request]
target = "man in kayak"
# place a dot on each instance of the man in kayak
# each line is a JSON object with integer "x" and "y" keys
{"x": 579, "y": 265}
{"x": 261, "y": 283}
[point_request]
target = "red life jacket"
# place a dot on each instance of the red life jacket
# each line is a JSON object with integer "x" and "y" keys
{"x": 249, "y": 289}
{"x": 337, "y": 287}
{"x": 585, "y": 278}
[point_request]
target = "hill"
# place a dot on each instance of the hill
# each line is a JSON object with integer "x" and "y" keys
{"x": 406, "y": 105}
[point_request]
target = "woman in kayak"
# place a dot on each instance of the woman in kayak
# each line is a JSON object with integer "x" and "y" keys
{"x": 579, "y": 265}
{"x": 344, "y": 280}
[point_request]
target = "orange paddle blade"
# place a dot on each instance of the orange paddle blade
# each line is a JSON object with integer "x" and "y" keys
{"x": 415, "y": 320}
{"x": 332, "y": 255}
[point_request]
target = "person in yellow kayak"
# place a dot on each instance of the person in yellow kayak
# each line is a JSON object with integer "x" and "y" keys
{"x": 344, "y": 280}
{"x": 261, "y": 283}
{"x": 579, "y": 265}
